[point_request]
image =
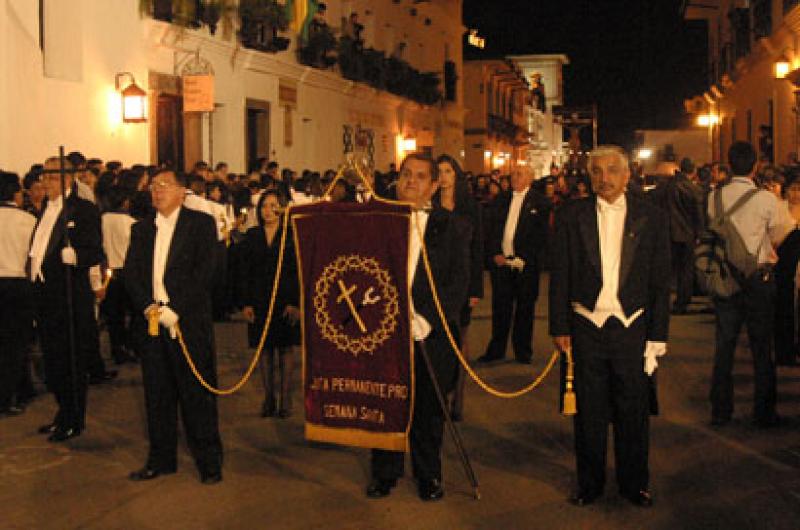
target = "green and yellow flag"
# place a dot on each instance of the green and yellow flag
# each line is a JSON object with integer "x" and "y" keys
{"x": 300, "y": 13}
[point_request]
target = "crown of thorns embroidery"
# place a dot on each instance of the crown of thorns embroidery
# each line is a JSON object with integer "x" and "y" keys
{"x": 332, "y": 275}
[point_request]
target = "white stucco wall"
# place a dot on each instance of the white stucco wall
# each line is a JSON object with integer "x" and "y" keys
{"x": 39, "y": 113}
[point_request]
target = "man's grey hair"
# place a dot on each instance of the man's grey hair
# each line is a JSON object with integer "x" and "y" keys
{"x": 608, "y": 150}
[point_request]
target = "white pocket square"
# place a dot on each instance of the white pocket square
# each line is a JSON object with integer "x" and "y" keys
{"x": 70, "y": 224}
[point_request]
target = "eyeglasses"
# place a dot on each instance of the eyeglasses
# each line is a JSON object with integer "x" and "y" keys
{"x": 160, "y": 185}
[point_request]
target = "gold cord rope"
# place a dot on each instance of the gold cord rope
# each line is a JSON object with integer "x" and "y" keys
{"x": 259, "y": 350}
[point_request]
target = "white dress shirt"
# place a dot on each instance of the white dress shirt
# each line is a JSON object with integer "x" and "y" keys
{"x": 611, "y": 228}
{"x": 759, "y": 222}
{"x": 420, "y": 327}
{"x": 195, "y": 202}
{"x": 510, "y": 229}
{"x": 41, "y": 238}
{"x": 610, "y": 225}
{"x": 165, "y": 228}
{"x": 116, "y": 237}
{"x": 16, "y": 228}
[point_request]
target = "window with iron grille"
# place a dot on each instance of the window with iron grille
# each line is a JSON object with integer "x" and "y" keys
{"x": 762, "y": 18}
{"x": 740, "y": 28}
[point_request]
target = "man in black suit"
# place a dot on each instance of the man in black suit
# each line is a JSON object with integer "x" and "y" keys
{"x": 168, "y": 270}
{"x": 682, "y": 201}
{"x": 66, "y": 241}
{"x": 609, "y": 303}
{"x": 447, "y": 243}
{"x": 516, "y": 238}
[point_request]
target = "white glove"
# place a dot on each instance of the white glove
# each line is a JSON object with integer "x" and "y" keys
{"x": 95, "y": 278}
{"x": 169, "y": 319}
{"x": 420, "y": 327}
{"x": 652, "y": 351}
{"x": 68, "y": 256}
{"x": 516, "y": 264}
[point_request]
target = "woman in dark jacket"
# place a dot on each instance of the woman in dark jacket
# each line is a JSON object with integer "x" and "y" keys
{"x": 454, "y": 195}
{"x": 259, "y": 262}
{"x": 786, "y": 284}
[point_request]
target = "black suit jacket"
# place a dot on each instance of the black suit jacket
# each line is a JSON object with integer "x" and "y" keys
{"x": 644, "y": 272}
{"x": 682, "y": 200}
{"x": 81, "y": 221}
{"x": 188, "y": 276}
{"x": 447, "y": 239}
{"x": 531, "y": 233}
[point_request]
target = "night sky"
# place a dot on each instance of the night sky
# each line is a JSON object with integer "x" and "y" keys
{"x": 637, "y": 59}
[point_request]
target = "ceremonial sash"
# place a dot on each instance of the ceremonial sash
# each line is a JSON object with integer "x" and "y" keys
{"x": 357, "y": 345}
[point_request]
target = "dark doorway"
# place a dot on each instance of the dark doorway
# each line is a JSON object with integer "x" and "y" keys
{"x": 257, "y": 134}
{"x": 169, "y": 131}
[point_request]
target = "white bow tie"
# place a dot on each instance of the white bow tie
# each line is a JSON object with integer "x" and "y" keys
{"x": 608, "y": 207}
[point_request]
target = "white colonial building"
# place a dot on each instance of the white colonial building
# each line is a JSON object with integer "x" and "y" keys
{"x": 61, "y": 59}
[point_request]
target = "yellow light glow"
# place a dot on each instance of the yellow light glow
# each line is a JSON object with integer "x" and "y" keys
{"x": 498, "y": 161}
{"x": 409, "y": 145}
{"x": 645, "y": 153}
{"x": 133, "y": 109}
{"x": 782, "y": 68}
{"x": 707, "y": 120}
{"x": 487, "y": 154}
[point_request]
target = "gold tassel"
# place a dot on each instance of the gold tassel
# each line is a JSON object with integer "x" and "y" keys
{"x": 570, "y": 402}
{"x": 152, "y": 321}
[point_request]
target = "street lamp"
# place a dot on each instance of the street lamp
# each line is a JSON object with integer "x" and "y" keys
{"x": 782, "y": 67}
{"x": 707, "y": 120}
{"x": 134, "y": 100}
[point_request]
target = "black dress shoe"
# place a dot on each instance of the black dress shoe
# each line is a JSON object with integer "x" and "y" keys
{"x": 378, "y": 488}
{"x": 148, "y": 473}
{"x": 11, "y": 411}
{"x": 719, "y": 421}
{"x": 50, "y": 428}
{"x": 105, "y": 377}
{"x": 210, "y": 478}
{"x": 642, "y": 498}
{"x": 485, "y": 359}
{"x": 768, "y": 423}
{"x": 62, "y": 435}
{"x": 267, "y": 409}
{"x": 431, "y": 490}
{"x": 583, "y": 498}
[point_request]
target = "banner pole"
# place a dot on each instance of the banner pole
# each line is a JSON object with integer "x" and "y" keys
{"x": 462, "y": 452}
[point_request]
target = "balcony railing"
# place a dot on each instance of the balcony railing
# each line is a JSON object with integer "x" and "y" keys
{"x": 261, "y": 23}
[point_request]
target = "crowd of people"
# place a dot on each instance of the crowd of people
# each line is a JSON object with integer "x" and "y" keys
{"x": 138, "y": 249}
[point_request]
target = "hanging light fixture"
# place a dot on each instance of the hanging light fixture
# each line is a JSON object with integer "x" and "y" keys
{"x": 134, "y": 99}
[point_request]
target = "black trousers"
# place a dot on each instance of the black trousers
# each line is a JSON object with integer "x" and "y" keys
{"x": 168, "y": 384}
{"x": 68, "y": 383}
{"x": 611, "y": 387}
{"x": 683, "y": 269}
{"x": 754, "y": 306}
{"x": 16, "y": 315}
{"x": 427, "y": 427}
{"x": 116, "y": 308}
{"x": 514, "y": 297}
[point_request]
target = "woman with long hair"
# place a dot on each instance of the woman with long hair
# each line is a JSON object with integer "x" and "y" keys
{"x": 259, "y": 263}
{"x": 787, "y": 287}
{"x": 454, "y": 195}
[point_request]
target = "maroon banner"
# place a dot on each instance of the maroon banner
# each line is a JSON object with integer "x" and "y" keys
{"x": 357, "y": 346}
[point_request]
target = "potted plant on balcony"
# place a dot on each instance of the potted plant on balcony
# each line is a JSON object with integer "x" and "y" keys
{"x": 261, "y": 20}
{"x": 180, "y": 12}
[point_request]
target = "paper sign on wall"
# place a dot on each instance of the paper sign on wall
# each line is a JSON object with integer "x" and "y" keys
{"x": 198, "y": 93}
